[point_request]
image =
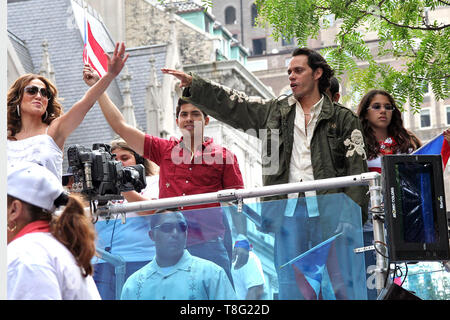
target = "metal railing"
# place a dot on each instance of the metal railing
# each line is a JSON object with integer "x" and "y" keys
{"x": 371, "y": 179}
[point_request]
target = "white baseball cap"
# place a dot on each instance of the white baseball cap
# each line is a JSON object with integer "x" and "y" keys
{"x": 34, "y": 184}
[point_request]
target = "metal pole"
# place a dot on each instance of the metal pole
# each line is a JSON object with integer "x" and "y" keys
{"x": 233, "y": 194}
{"x": 119, "y": 268}
{"x": 378, "y": 232}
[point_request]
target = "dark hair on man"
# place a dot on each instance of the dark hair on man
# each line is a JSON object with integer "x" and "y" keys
{"x": 315, "y": 61}
{"x": 154, "y": 218}
{"x": 334, "y": 86}
{"x": 180, "y": 103}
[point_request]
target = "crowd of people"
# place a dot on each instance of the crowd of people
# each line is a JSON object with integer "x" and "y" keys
{"x": 185, "y": 252}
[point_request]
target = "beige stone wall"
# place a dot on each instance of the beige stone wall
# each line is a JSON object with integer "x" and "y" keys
{"x": 243, "y": 28}
{"x": 147, "y": 24}
{"x": 112, "y": 13}
{"x": 144, "y": 24}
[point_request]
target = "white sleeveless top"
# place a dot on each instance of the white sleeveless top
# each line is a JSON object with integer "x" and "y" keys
{"x": 41, "y": 149}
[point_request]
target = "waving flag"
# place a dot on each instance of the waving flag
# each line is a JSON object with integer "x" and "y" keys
{"x": 317, "y": 273}
{"x": 438, "y": 145}
{"x": 93, "y": 53}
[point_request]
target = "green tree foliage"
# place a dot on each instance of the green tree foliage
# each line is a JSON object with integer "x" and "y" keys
{"x": 404, "y": 30}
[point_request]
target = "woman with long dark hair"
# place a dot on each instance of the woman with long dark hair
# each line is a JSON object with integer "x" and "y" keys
{"x": 37, "y": 126}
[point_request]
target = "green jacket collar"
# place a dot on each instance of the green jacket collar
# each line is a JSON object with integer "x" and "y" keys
{"x": 326, "y": 113}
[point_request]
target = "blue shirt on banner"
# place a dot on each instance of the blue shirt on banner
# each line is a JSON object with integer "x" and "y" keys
{"x": 191, "y": 278}
{"x": 129, "y": 240}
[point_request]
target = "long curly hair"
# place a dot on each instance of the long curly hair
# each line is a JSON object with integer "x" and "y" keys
{"x": 14, "y": 98}
{"x": 405, "y": 139}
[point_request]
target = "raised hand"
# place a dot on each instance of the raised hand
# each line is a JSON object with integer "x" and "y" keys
{"x": 117, "y": 60}
{"x": 185, "y": 79}
{"x": 447, "y": 135}
{"x": 90, "y": 76}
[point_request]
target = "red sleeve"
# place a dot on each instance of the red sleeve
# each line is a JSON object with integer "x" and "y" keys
{"x": 147, "y": 146}
{"x": 154, "y": 148}
{"x": 232, "y": 176}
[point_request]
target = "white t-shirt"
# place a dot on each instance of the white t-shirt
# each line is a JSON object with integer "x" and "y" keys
{"x": 42, "y": 268}
{"x": 249, "y": 275}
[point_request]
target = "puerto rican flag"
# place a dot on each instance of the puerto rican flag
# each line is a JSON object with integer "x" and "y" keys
{"x": 93, "y": 53}
{"x": 438, "y": 145}
{"x": 317, "y": 273}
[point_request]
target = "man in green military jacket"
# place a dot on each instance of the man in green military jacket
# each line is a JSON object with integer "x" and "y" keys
{"x": 305, "y": 137}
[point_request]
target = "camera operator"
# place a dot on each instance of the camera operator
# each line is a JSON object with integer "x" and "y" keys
{"x": 130, "y": 239}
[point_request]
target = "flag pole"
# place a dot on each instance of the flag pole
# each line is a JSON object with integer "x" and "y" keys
{"x": 85, "y": 55}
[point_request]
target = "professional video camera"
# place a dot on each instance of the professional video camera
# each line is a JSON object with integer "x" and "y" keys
{"x": 97, "y": 175}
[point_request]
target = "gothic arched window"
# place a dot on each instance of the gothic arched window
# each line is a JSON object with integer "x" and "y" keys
{"x": 230, "y": 15}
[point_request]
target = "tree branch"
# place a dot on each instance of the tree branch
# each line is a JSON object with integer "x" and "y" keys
{"x": 444, "y": 2}
{"x": 427, "y": 28}
{"x": 364, "y": 12}
{"x": 431, "y": 78}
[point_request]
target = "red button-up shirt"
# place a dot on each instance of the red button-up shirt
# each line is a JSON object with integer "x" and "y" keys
{"x": 209, "y": 169}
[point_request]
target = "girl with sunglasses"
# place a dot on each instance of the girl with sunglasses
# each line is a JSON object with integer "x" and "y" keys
{"x": 384, "y": 133}
{"x": 383, "y": 128}
{"x": 37, "y": 126}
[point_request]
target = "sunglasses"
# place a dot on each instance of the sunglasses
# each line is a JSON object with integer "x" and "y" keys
{"x": 33, "y": 90}
{"x": 377, "y": 106}
{"x": 168, "y": 227}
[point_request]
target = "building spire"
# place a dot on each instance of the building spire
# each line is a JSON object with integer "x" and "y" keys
{"x": 153, "y": 102}
{"x": 46, "y": 69}
{"x": 170, "y": 84}
{"x": 127, "y": 107}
